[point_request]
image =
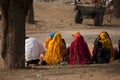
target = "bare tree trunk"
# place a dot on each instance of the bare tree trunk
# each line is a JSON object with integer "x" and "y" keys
{"x": 116, "y": 4}
{"x": 13, "y": 36}
{"x": 30, "y": 16}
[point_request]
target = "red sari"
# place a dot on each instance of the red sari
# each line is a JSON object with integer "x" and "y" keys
{"x": 79, "y": 51}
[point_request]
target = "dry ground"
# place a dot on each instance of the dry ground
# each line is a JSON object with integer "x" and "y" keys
{"x": 58, "y": 16}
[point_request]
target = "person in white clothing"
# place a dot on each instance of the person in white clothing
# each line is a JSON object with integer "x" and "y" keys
{"x": 34, "y": 51}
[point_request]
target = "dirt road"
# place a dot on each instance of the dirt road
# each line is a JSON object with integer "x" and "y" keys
{"x": 59, "y": 16}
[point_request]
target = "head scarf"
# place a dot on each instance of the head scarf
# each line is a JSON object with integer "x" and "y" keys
{"x": 52, "y": 34}
{"x": 107, "y": 43}
{"x": 48, "y": 39}
{"x": 76, "y": 35}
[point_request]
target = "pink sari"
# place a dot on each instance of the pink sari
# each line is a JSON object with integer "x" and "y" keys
{"x": 79, "y": 51}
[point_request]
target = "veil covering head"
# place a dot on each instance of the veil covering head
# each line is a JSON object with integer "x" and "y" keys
{"x": 48, "y": 39}
{"x": 76, "y": 35}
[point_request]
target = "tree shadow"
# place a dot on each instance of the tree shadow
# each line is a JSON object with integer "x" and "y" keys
{"x": 38, "y": 21}
{"x": 105, "y": 25}
{"x": 111, "y": 25}
{"x": 36, "y": 68}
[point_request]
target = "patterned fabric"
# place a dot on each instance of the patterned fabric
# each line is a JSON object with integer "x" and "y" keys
{"x": 106, "y": 41}
{"x": 79, "y": 51}
{"x": 55, "y": 50}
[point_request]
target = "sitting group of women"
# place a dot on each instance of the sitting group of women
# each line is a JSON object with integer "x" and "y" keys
{"x": 77, "y": 53}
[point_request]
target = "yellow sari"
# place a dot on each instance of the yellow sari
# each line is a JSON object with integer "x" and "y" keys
{"x": 106, "y": 41}
{"x": 55, "y": 50}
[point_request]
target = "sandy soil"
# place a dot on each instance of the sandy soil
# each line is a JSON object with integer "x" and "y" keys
{"x": 59, "y": 16}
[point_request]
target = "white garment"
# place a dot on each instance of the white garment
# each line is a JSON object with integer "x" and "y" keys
{"x": 33, "y": 49}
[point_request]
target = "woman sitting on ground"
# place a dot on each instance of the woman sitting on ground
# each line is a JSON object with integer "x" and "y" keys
{"x": 34, "y": 50}
{"x": 100, "y": 53}
{"x": 107, "y": 43}
{"x": 103, "y": 49}
{"x": 79, "y": 51}
{"x": 55, "y": 49}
